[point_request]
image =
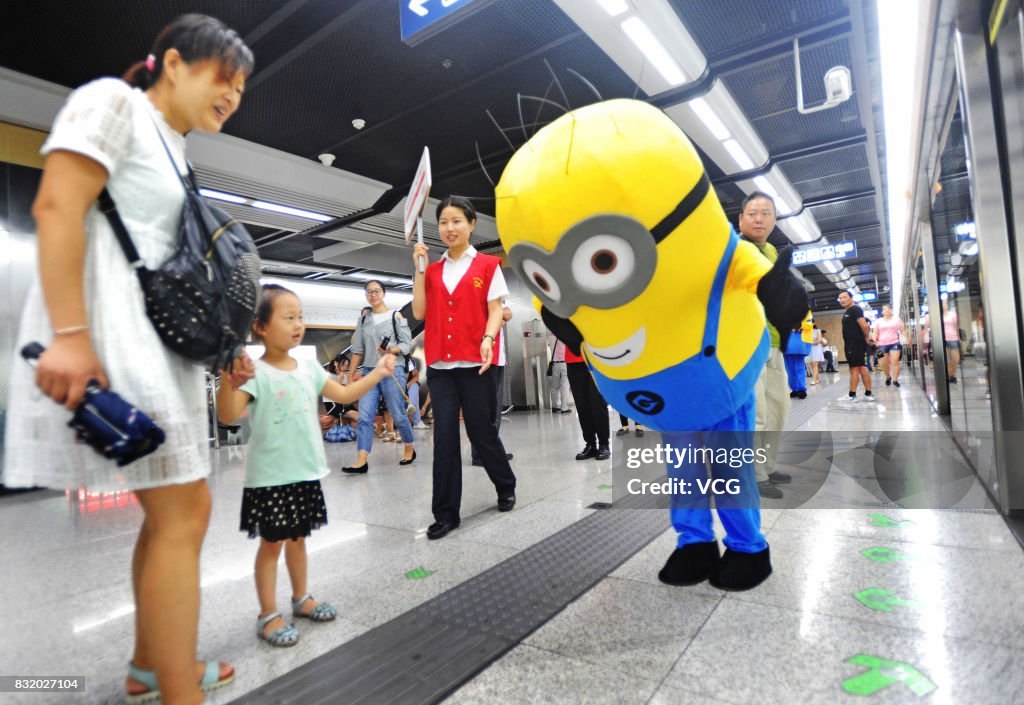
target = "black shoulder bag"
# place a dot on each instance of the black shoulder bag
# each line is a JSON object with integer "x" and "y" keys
{"x": 202, "y": 300}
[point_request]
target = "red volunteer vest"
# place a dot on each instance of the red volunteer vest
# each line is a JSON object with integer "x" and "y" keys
{"x": 571, "y": 357}
{"x": 455, "y": 323}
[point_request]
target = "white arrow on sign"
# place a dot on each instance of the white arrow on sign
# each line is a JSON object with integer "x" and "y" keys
{"x": 417, "y": 6}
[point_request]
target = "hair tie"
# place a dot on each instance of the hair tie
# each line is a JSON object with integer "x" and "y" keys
{"x": 151, "y": 63}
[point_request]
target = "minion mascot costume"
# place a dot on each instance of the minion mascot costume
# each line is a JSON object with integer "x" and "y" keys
{"x": 608, "y": 216}
{"x": 798, "y": 347}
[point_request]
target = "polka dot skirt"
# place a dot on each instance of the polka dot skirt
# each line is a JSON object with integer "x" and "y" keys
{"x": 283, "y": 512}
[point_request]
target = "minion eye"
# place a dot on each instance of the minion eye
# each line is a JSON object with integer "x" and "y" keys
{"x": 541, "y": 279}
{"x": 603, "y": 263}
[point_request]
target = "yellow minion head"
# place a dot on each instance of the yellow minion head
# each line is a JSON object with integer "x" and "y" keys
{"x": 608, "y": 216}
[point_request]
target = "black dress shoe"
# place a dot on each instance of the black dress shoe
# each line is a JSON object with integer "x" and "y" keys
{"x": 779, "y": 478}
{"x": 509, "y": 456}
{"x": 589, "y": 451}
{"x": 440, "y": 529}
{"x": 476, "y": 462}
{"x": 741, "y": 571}
{"x": 690, "y": 564}
{"x": 603, "y": 453}
{"x": 409, "y": 461}
{"x": 505, "y": 504}
{"x": 356, "y": 470}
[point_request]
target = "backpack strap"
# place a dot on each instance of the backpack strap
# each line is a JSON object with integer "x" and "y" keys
{"x": 394, "y": 328}
{"x": 109, "y": 209}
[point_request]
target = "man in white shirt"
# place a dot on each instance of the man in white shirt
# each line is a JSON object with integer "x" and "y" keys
{"x": 558, "y": 381}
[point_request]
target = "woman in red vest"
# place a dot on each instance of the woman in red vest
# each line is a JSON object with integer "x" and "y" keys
{"x": 459, "y": 301}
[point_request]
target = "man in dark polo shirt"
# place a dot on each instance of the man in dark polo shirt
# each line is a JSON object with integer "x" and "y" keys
{"x": 856, "y": 339}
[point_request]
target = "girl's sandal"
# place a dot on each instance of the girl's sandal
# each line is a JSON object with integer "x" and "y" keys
{"x": 321, "y": 613}
{"x": 211, "y": 680}
{"x": 286, "y": 636}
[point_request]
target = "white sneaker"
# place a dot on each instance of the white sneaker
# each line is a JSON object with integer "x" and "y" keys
{"x": 420, "y": 426}
{"x": 847, "y": 397}
{"x": 870, "y": 397}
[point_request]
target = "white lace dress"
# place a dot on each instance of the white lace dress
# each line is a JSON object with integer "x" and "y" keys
{"x": 115, "y": 125}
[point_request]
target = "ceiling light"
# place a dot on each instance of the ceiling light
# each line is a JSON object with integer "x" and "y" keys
{"x": 641, "y": 36}
{"x": 659, "y": 22}
{"x": 710, "y": 119}
{"x": 221, "y": 196}
{"x": 799, "y": 231}
{"x": 288, "y": 210}
{"x": 831, "y": 266}
{"x": 614, "y": 7}
{"x": 714, "y": 119}
{"x": 741, "y": 158}
{"x": 776, "y": 185}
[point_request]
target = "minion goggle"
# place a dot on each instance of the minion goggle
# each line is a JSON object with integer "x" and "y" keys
{"x": 604, "y": 261}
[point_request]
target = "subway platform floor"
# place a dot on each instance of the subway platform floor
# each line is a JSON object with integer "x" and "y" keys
{"x": 868, "y": 602}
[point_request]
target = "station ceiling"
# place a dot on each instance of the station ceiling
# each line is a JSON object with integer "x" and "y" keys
{"x": 323, "y": 63}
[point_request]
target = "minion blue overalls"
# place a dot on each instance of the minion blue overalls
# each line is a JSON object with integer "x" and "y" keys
{"x": 684, "y": 397}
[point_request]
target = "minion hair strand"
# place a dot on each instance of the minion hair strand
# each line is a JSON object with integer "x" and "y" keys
{"x": 480, "y": 161}
{"x": 500, "y": 129}
{"x": 554, "y": 76}
{"x": 586, "y": 83}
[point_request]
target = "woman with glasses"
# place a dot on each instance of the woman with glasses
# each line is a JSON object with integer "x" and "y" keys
{"x": 459, "y": 300}
{"x": 380, "y": 331}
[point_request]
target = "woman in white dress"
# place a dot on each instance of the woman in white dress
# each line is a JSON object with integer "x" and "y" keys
{"x": 87, "y": 309}
{"x": 818, "y": 343}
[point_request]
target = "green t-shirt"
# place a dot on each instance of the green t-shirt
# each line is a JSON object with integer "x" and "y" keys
{"x": 287, "y": 444}
{"x": 769, "y": 251}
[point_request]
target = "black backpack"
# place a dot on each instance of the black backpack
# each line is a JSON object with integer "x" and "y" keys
{"x": 203, "y": 299}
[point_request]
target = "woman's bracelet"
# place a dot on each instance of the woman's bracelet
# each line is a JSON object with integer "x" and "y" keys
{"x": 70, "y": 330}
{"x": 487, "y": 335}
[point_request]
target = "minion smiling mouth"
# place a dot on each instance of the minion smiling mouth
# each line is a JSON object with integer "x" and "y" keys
{"x": 621, "y": 353}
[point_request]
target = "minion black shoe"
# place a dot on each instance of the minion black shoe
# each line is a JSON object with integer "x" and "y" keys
{"x": 690, "y": 564}
{"x": 737, "y": 571}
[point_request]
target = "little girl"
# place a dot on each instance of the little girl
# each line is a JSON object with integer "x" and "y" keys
{"x": 283, "y": 501}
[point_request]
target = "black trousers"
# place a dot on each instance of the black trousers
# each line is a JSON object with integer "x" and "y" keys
{"x": 591, "y": 408}
{"x": 500, "y": 374}
{"x": 476, "y": 395}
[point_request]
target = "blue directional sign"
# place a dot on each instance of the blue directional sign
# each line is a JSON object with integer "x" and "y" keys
{"x": 422, "y": 19}
{"x": 821, "y": 253}
{"x": 865, "y": 296}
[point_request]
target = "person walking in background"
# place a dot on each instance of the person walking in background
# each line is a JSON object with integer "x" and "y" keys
{"x": 128, "y": 136}
{"x": 889, "y": 331}
{"x": 381, "y": 331}
{"x": 796, "y": 349}
{"x": 830, "y": 358}
{"x": 818, "y": 343}
{"x": 624, "y": 423}
{"x": 591, "y": 409}
{"x": 499, "y": 372}
{"x": 558, "y": 378}
{"x": 412, "y": 390}
{"x": 459, "y": 300}
{"x": 856, "y": 340}
{"x": 283, "y": 501}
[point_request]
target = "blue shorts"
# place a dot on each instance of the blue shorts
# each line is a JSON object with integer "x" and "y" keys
{"x": 953, "y": 344}
{"x": 890, "y": 348}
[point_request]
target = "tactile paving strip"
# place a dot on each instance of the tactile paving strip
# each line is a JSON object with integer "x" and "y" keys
{"x": 425, "y": 654}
